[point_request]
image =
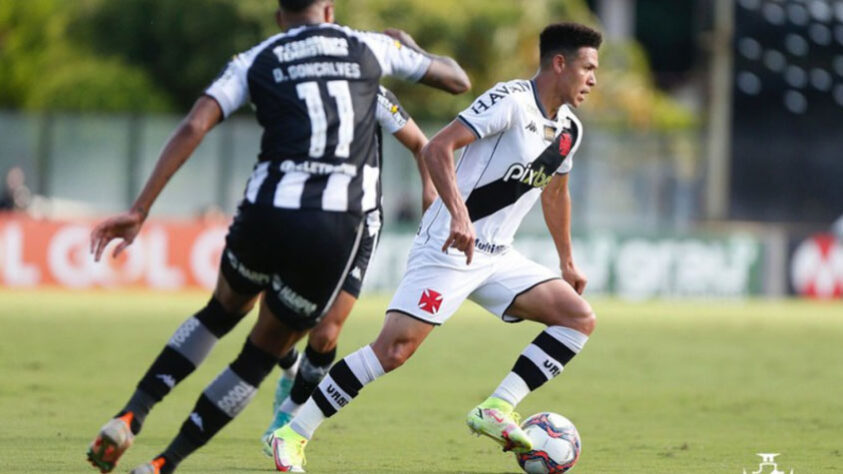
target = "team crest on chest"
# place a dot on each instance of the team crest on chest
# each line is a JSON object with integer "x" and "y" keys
{"x": 549, "y": 133}
{"x": 565, "y": 142}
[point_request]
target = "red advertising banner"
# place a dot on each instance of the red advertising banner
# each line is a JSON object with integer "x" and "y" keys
{"x": 170, "y": 255}
{"x": 816, "y": 267}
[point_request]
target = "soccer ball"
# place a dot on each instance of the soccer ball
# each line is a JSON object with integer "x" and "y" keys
{"x": 556, "y": 444}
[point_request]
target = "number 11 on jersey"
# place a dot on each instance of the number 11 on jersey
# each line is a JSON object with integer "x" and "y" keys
{"x": 310, "y": 94}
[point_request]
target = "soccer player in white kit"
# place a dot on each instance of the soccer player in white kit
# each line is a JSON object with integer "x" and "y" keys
{"x": 518, "y": 141}
{"x": 300, "y": 223}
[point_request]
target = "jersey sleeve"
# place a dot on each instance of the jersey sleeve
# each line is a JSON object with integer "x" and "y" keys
{"x": 231, "y": 89}
{"x": 570, "y": 140}
{"x": 389, "y": 113}
{"x": 567, "y": 165}
{"x": 491, "y": 113}
{"x": 394, "y": 58}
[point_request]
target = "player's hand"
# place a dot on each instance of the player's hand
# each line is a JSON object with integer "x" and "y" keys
{"x": 402, "y": 36}
{"x": 122, "y": 226}
{"x": 461, "y": 237}
{"x": 573, "y": 276}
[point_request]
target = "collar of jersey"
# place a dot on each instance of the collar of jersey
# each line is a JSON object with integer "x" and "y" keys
{"x": 538, "y": 102}
{"x": 298, "y": 29}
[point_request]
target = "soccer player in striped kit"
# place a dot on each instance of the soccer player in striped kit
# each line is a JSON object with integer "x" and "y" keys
{"x": 302, "y": 372}
{"x": 518, "y": 140}
{"x": 297, "y": 229}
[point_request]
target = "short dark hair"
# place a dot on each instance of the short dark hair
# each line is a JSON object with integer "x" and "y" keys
{"x": 295, "y": 5}
{"x": 567, "y": 38}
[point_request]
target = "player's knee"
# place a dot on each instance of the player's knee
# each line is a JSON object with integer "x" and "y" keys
{"x": 588, "y": 323}
{"x": 395, "y": 358}
{"x": 323, "y": 338}
{"x": 231, "y": 300}
{"x": 578, "y": 316}
{"x": 218, "y": 318}
{"x": 394, "y": 355}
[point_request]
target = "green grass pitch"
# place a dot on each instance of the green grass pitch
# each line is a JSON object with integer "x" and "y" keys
{"x": 662, "y": 387}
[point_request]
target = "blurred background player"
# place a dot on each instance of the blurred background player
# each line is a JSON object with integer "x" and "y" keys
{"x": 15, "y": 195}
{"x": 519, "y": 139}
{"x": 300, "y": 223}
{"x": 301, "y": 374}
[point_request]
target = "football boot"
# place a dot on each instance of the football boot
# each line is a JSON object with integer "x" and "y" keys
{"x": 114, "y": 438}
{"x": 496, "y": 419}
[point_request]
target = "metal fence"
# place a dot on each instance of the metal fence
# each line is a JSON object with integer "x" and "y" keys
{"x": 98, "y": 163}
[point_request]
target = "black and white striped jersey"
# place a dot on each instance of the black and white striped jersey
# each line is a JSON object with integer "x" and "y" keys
{"x": 391, "y": 117}
{"x": 500, "y": 175}
{"x": 315, "y": 91}
{"x": 389, "y": 113}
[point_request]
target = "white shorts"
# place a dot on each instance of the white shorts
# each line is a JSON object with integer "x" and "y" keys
{"x": 436, "y": 284}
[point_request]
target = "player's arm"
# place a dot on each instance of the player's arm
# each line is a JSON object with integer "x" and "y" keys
{"x": 556, "y": 207}
{"x": 206, "y": 113}
{"x": 443, "y": 73}
{"x": 411, "y": 136}
{"x": 438, "y": 156}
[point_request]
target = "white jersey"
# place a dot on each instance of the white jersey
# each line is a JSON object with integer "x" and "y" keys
{"x": 500, "y": 176}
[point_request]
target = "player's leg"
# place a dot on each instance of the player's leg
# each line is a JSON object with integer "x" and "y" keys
{"x": 322, "y": 340}
{"x": 431, "y": 290}
{"x": 399, "y": 338}
{"x": 522, "y": 289}
{"x": 312, "y": 368}
{"x": 184, "y": 351}
{"x": 569, "y": 320}
{"x": 307, "y": 268}
{"x": 289, "y": 365}
{"x": 190, "y": 344}
{"x": 229, "y": 393}
{"x": 320, "y": 351}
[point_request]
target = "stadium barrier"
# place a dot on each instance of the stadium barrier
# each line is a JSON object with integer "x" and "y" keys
{"x": 168, "y": 255}
{"x": 629, "y": 266}
{"x": 816, "y": 266}
{"x": 183, "y": 254}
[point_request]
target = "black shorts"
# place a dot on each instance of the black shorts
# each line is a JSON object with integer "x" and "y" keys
{"x": 298, "y": 258}
{"x": 368, "y": 245}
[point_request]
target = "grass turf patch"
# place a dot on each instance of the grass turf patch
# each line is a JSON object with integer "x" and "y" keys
{"x": 662, "y": 387}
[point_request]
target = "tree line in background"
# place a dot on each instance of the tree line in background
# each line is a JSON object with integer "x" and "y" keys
{"x": 147, "y": 56}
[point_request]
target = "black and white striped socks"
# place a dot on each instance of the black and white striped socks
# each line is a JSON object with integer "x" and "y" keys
{"x": 542, "y": 360}
{"x": 343, "y": 382}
